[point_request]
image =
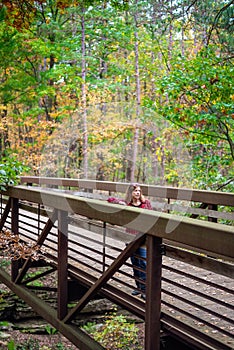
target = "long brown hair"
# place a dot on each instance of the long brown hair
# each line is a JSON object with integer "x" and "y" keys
{"x": 130, "y": 189}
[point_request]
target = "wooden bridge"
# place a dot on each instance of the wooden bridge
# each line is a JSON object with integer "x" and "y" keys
{"x": 190, "y": 253}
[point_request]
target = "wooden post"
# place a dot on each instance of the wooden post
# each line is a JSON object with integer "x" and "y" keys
{"x": 62, "y": 263}
{"x": 212, "y": 207}
{"x": 104, "y": 247}
{"x": 15, "y": 264}
{"x": 153, "y": 293}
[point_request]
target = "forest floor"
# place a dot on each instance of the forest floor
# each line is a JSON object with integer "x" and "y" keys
{"x": 26, "y": 341}
{"x": 36, "y": 334}
{"x": 34, "y": 341}
{"x": 47, "y": 342}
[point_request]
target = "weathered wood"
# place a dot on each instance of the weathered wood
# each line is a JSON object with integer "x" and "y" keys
{"x": 15, "y": 264}
{"x": 106, "y": 276}
{"x": 118, "y": 233}
{"x": 174, "y": 326}
{"x": 209, "y": 236}
{"x": 5, "y": 214}
{"x": 153, "y": 293}
{"x": 200, "y": 260}
{"x": 63, "y": 264}
{"x": 188, "y": 194}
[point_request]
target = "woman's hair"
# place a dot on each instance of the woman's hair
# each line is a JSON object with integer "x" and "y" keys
{"x": 131, "y": 188}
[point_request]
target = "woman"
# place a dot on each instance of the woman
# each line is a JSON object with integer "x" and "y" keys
{"x": 135, "y": 198}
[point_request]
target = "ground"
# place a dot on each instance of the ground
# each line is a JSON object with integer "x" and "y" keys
{"x": 36, "y": 342}
{"x": 46, "y": 342}
{"x": 50, "y": 341}
{"x": 11, "y": 338}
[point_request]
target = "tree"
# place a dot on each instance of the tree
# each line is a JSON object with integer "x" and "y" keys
{"x": 115, "y": 77}
{"x": 200, "y": 101}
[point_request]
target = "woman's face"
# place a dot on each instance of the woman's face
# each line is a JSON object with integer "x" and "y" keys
{"x": 136, "y": 193}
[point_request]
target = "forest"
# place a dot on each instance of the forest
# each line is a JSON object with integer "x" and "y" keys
{"x": 128, "y": 90}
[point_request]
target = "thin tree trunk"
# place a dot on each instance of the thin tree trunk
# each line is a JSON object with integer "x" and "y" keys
{"x": 138, "y": 98}
{"x": 170, "y": 44}
{"x": 84, "y": 99}
{"x": 182, "y": 36}
{"x": 4, "y": 140}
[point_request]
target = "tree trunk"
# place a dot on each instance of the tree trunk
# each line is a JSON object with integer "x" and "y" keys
{"x": 138, "y": 96}
{"x": 83, "y": 91}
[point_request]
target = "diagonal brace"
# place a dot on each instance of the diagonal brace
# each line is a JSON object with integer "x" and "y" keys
{"x": 40, "y": 241}
{"x": 125, "y": 254}
{"x": 5, "y": 213}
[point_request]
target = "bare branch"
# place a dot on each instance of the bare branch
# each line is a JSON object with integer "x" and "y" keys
{"x": 216, "y": 19}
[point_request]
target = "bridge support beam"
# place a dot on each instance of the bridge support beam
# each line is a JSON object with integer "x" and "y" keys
{"x": 153, "y": 293}
{"x": 62, "y": 263}
{"x": 15, "y": 264}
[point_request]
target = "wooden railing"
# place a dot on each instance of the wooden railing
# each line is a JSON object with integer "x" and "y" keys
{"x": 85, "y": 240}
{"x": 213, "y": 205}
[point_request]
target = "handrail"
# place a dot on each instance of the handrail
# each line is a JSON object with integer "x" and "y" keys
{"x": 166, "y": 192}
{"x": 208, "y": 236}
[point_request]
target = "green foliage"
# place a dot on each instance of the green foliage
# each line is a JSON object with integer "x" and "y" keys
{"x": 11, "y": 345}
{"x": 183, "y": 79}
{"x": 60, "y": 346}
{"x": 10, "y": 171}
{"x": 50, "y": 330}
{"x": 200, "y": 102}
{"x": 90, "y": 327}
{"x": 29, "y": 344}
{"x": 115, "y": 333}
{"x": 33, "y": 275}
{"x": 3, "y": 325}
{"x": 4, "y": 263}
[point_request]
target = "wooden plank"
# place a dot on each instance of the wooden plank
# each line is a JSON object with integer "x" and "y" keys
{"x": 191, "y": 334}
{"x": 188, "y": 194}
{"x": 213, "y": 237}
{"x": 174, "y": 250}
{"x": 220, "y": 267}
{"x": 158, "y": 206}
